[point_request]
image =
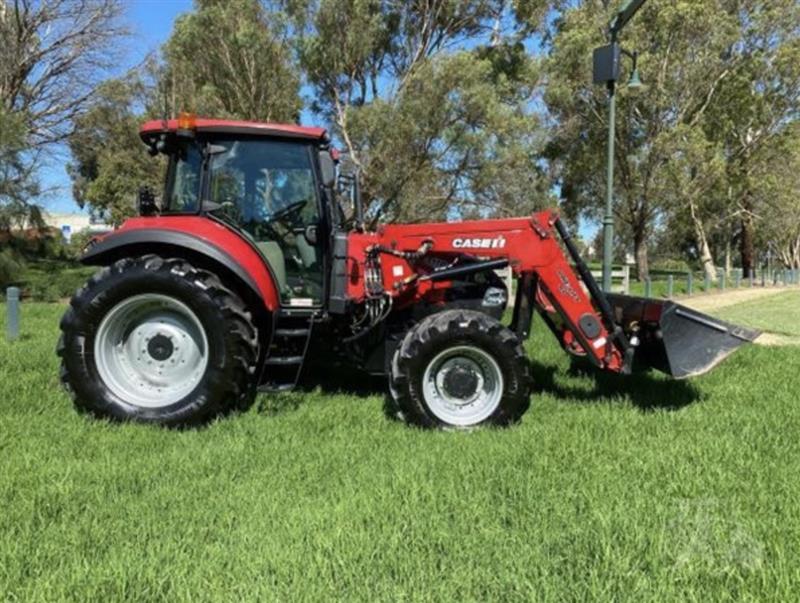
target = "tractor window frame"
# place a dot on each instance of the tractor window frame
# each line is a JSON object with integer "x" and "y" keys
{"x": 169, "y": 183}
{"x": 308, "y": 146}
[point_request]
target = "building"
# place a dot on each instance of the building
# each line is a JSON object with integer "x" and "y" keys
{"x": 70, "y": 224}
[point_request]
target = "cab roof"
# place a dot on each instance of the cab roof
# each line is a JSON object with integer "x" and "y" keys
{"x": 227, "y": 126}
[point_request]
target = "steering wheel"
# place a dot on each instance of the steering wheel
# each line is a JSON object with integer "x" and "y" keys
{"x": 283, "y": 214}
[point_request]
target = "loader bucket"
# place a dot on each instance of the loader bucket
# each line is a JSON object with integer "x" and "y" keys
{"x": 674, "y": 339}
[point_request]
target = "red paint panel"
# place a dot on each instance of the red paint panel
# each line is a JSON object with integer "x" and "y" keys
{"x": 221, "y": 237}
{"x": 249, "y": 127}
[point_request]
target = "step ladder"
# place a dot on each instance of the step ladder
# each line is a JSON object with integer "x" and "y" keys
{"x": 291, "y": 334}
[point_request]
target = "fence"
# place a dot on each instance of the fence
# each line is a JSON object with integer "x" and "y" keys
{"x": 671, "y": 284}
{"x": 620, "y": 279}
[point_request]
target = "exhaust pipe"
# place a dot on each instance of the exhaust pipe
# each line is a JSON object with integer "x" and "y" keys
{"x": 674, "y": 339}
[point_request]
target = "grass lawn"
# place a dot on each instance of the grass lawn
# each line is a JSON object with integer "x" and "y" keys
{"x": 636, "y": 489}
{"x": 779, "y": 313}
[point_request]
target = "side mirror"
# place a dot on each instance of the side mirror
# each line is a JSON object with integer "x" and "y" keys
{"x": 327, "y": 169}
{"x": 146, "y": 203}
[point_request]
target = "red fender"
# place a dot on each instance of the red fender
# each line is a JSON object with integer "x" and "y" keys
{"x": 199, "y": 234}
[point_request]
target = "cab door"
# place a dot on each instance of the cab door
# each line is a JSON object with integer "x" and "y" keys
{"x": 269, "y": 189}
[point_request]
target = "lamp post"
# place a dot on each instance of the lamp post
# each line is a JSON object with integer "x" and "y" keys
{"x": 607, "y": 61}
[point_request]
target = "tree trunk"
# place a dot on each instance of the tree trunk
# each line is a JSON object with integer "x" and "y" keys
{"x": 706, "y": 259}
{"x": 747, "y": 245}
{"x": 790, "y": 254}
{"x": 640, "y": 252}
{"x": 796, "y": 254}
{"x": 728, "y": 260}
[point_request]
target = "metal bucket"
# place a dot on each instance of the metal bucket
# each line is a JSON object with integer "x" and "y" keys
{"x": 674, "y": 339}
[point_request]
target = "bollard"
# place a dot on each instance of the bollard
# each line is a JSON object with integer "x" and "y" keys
{"x": 752, "y": 278}
{"x": 707, "y": 283}
{"x": 648, "y": 287}
{"x": 670, "y": 284}
{"x": 12, "y": 305}
{"x": 689, "y": 284}
{"x": 722, "y": 281}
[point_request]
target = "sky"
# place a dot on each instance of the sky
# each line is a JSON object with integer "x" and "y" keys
{"x": 150, "y": 22}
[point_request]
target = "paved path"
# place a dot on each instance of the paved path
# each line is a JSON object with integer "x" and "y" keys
{"x": 715, "y": 301}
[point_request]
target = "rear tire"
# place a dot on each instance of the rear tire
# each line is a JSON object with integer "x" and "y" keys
{"x": 460, "y": 369}
{"x": 158, "y": 341}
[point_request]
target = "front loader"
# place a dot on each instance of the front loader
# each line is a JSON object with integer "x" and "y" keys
{"x": 257, "y": 259}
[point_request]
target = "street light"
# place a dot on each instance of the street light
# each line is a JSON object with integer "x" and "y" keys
{"x": 607, "y": 60}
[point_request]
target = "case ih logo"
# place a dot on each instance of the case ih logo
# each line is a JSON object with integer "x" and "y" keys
{"x": 566, "y": 288}
{"x": 495, "y": 243}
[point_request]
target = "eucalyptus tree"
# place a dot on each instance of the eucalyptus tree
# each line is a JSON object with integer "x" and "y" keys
{"x": 222, "y": 59}
{"x": 108, "y": 162}
{"x": 231, "y": 58}
{"x": 760, "y": 103}
{"x": 665, "y": 161}
{"x": 431, "y": 99}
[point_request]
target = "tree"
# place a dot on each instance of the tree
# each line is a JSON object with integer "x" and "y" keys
{"x": 777, "y": 173}
{"x": 681, "y": 45}
{"x": 229, "y": 58}
{"x": 17, "y": 182}
{"x": 722, "y": 80}
{"x": 432, "y": 126}
{"x": 224, "y": 59}
{"x": 54, "y": 54}
{"x": 109, "y": 162}
{"x": 761, "y": 100}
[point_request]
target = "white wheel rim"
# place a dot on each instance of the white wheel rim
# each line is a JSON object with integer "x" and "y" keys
{"x": 151, "y": 350}
{"x": 462, "y": 386}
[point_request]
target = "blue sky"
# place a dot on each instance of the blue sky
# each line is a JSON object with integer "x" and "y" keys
{"x": 151, "y": 23}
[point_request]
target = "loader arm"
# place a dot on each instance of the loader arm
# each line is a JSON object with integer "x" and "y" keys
{"x": 575, "y": 308}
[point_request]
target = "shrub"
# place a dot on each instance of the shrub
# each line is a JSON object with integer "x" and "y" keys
{"x": 11, "y": 268}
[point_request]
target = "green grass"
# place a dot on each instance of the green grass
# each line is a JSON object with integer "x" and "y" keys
{"x": 779, "y": 313}
{"x": 635, "y": 489}
{"x": 51, "y": 280}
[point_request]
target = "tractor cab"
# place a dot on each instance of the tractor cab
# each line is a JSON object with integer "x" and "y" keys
{"x": 272, "y": 183}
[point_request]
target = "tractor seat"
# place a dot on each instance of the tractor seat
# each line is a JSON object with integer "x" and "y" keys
{"x": 274, "y": 254}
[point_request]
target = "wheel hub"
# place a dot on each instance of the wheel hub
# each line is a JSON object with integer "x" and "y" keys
{"x": 462, "y": 385}
{"x": 160, "y": 347}
{"x": 461, "y": 382}
{"x": 151, "y": 350}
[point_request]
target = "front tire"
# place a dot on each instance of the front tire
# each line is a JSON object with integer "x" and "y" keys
{"x": 460, "y": 369}
{"x": 157, "y": 340}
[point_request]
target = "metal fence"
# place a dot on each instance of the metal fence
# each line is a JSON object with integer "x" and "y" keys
{"x": 672, "y": 284}
{"x": 668, "y": 284}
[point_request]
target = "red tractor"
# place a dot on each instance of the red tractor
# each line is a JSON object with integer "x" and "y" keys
{"x": 257, "y": 257}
